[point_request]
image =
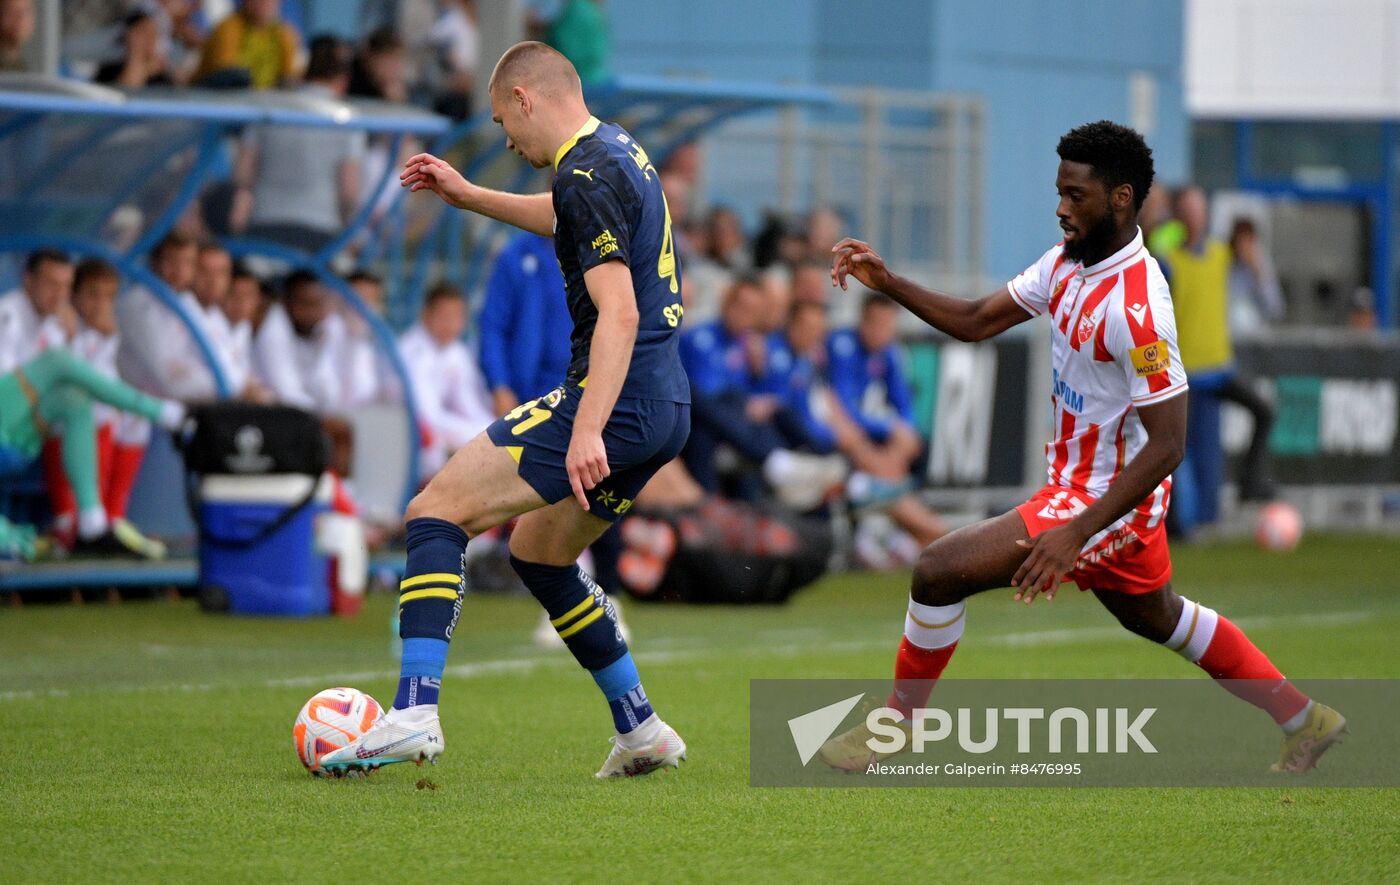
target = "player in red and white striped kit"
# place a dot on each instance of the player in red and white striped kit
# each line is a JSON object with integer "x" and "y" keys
{"x": 1120, "y": 430}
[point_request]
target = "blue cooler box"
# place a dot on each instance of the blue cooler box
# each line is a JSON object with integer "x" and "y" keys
{"x": 280, "y": 573}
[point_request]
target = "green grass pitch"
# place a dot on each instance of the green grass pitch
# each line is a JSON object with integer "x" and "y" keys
{"x": 146, "y": 741}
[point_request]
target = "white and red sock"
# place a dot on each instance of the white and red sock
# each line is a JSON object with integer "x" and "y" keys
{"x": 931, "y": 634}
{"x": 1211, "y": 642}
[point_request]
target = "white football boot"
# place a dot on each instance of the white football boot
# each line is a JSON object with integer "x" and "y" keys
{"x": 652, "y": 745}
{"x": 411, "y": 735}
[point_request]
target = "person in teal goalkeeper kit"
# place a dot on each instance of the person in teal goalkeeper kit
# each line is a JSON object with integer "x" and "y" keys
{"x": 53, "y": 393}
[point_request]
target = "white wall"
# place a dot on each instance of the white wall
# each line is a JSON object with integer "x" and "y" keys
{"x": 1293, "y": 58}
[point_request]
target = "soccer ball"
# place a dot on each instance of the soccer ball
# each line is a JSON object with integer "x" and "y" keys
{"x": 1280, "y": 527}
{"x": 329, "y": 721}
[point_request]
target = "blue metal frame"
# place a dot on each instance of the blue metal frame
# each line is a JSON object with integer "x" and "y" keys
{"x": 1379, "y": 198}
{"x": 189, "y": 190}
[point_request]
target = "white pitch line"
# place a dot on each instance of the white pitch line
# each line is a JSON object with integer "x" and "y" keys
{"x": 684, "y": 653}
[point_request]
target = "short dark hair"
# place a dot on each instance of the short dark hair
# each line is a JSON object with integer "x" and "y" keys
{"x": 800, "y": 307}
{"x": 877, "y": 299}
{"x": 442, "y": 291}
{"x": 328, "y": 58}
{"x": 364, "y": 276}
{"x": 39, "y": 256}
{"x": 384, "y": 39}
{"x": 173, "y": 240}
{"x": 94, "y": 269}
{"x": 298, "y": 278}
{"x": 1118, "y": 155}
{"x": 241, "y": 271}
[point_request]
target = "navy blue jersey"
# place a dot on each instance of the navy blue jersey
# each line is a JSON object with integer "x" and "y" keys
{"x": 608, "y": 206}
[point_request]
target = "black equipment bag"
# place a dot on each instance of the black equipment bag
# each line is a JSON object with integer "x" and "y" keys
{"x": 735, "y": 553}
{"x": 246, "y": 439}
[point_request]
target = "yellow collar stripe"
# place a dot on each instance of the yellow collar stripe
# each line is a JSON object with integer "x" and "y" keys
{"x": 584, "y": 131}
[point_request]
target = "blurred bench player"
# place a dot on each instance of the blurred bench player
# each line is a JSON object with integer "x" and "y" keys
{"x": 573, "y": 460}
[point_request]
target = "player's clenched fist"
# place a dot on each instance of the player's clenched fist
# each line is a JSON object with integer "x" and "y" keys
{"x": 854, "y": 258}
{"x": 424, "y": 171}
{"x": 586, "y": 464}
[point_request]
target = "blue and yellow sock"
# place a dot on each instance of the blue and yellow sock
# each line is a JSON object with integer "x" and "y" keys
{"x": 579, "y": 609}
{"x": 430, "y": 601}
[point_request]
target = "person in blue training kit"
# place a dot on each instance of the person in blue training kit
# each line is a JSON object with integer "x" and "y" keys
{"x": 525, "y": 324}
{"x": 724, "y": 360}
{"x": 573, "y": 460}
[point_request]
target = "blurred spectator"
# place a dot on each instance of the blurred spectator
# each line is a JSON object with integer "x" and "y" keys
{"x": 1200, "y": 270}
{"x": 448, "y": 390}
{"x": 253, "y": 40}
{"x": 142, "y": 63}
{"x": 121, "y": 436}
{"x": 1156, "y": 210}
{"x": 455, "y": 41}
{"x": 795, "y": 372}
{"x": 871, "y": 416}
{"x": 55, "y": 390}
{"x": 17, "y": 22}
{"x": 247, "y": 302}
{"x": 298, "y": 185}
{"x": 381, "y": 68}
{"x": 719, "y": 252}
{"x": 232, "y": 344}
{"x": 1361, "y": 310}
{"x": 1256, "y": 300}
{"x": 158, "y": 353}
{"x": 1167, "y": 232}
{"x": 580, "y": 31}
{"x": 296, "y": 354}
{"x": 823, "y": 230}
{"x": 296, "y": 346}
{"x": 38, "y": 316}
{"x": 811, "y": 282}
{"x": 243, "y": 309}
{"x": 525, "y": 323}
{"x": 729, "y": 407}
{"x": 779, "y": 241}
{"x": 868, "y": 378}
{"x": 777, "y": 303}
{"x": 368, "y": 376}
{"x": 725, "y": 243}
{"x": 181, "y": 36}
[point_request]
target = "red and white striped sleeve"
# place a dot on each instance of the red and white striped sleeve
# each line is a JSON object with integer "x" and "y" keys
{"x": 1031, "y": 287}
{"x": 1141, "y": 336}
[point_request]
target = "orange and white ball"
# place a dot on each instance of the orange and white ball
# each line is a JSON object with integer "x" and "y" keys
{"x": 1280, "y": 527}
{"x": 329, "y": 721}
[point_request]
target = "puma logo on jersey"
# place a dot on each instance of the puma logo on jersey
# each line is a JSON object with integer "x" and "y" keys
{"x": 588, "y": 175}
{"x": 1138, "y": 311}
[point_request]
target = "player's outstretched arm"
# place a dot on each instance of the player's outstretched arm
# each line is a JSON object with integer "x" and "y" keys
{"x": 532, "y": 212}
{"x": 965, "y": 320}
{"x": 609, "y": 355}
{"x": 1055, "y": 550}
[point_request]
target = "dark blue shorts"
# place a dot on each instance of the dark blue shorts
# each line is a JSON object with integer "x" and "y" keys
{"x": 640, "y": 438}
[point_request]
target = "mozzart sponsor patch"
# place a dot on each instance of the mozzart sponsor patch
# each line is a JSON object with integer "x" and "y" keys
{"x": 1098, "y": 733}
{"x": 1151, "y": 359}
